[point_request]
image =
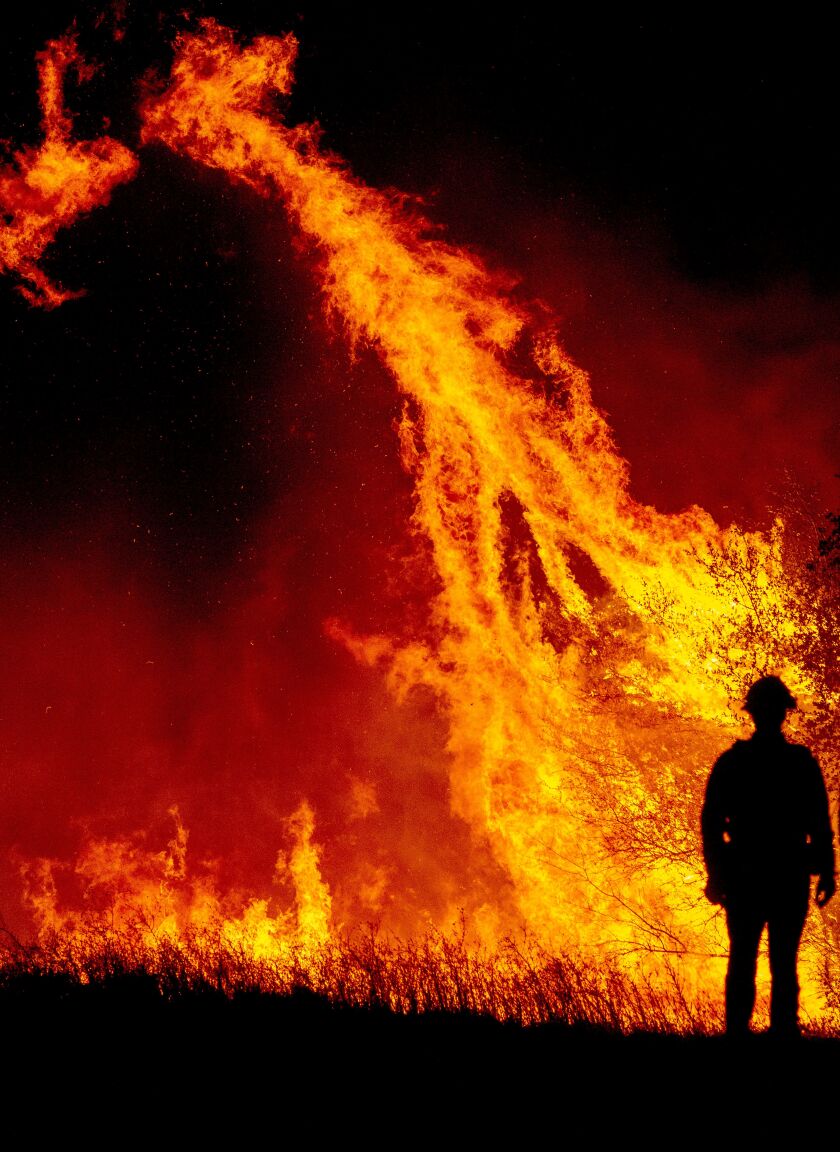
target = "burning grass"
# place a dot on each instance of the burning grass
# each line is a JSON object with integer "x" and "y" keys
{"x": 519, "y": 982}
{"x": 370, "y": 1033}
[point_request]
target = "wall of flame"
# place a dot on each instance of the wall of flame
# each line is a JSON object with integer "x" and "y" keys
{"x": 519, "y": 731}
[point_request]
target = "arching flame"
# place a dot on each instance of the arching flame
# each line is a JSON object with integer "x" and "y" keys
{"x": 512, "y": 474}
{"x": 585, "y": 648}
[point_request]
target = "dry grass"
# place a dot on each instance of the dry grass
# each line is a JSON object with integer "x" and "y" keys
{"x": 519, "y": 982}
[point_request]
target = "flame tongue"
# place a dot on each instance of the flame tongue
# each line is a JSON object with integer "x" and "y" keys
{"x": 55, "y": 183}
{"x": 584, "y": 647}
{"x": 540, "y": 689}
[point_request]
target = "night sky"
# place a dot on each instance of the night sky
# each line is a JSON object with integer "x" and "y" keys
{"x": 191, "y": 453}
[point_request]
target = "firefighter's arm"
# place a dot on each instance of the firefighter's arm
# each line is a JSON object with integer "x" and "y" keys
{"x": 826, "y": 887}
{"x": 713, "y": 820}
{"x": 822, "y": 840}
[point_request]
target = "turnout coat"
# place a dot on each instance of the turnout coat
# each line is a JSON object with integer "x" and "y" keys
{"x": 765, "y": 820}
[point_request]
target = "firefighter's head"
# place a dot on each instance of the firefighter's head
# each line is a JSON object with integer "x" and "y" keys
{"x": 768, "y": 702}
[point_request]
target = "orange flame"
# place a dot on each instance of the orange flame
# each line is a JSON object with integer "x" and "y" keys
{"x": 585, "y": 648}
{"x": 129, "y": 889}
{"x": 54, "y": 184}
{"x": 622, "y": 663}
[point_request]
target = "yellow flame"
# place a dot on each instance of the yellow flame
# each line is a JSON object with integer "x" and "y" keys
{"x": 585, "y": 647}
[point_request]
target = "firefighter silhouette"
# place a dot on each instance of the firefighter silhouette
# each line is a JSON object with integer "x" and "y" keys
{"x": 766, "y": 831}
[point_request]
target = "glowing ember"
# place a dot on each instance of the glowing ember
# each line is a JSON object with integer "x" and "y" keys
{"x": 584, "y": 649}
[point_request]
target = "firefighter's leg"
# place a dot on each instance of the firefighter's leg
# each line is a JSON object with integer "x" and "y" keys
{"x": 784, "y": 929}
{"x": 745, "y": 922}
